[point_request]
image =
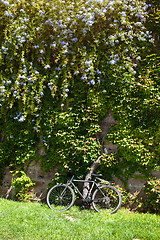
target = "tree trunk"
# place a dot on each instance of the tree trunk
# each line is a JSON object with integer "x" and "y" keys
{"x": 86, "y": 186}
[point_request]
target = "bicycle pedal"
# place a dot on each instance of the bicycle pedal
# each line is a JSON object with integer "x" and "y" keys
{"x": 83, "y": 207}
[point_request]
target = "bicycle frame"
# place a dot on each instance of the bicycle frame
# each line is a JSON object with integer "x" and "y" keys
{"x": 101, "y": 196}
{"x": 89, "y": 181}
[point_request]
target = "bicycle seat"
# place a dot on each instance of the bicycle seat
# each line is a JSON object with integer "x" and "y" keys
{"x": 96, "y": 175}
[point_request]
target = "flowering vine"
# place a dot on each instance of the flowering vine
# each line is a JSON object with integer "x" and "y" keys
{"x": 59, "y": 55}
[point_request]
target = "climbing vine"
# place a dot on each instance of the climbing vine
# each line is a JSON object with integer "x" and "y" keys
{"x": 63, "y": 65}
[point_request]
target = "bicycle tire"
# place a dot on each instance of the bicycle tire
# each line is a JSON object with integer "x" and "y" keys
{"x": 106, "y": 199}
{"x": 60, "y": 197}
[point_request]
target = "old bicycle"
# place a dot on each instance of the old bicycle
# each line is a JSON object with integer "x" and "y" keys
{"x": 105, "y": 198}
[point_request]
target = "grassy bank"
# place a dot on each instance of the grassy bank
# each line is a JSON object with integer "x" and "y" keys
{"x": 36, "y": 221}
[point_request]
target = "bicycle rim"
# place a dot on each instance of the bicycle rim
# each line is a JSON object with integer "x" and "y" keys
{"x": 60, "y": 197}
{"x": 106, "y": 199}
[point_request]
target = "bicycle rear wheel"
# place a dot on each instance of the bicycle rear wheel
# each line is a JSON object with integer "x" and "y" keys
{"x": 106, "y": 199}
{"x": 60, "y": 197}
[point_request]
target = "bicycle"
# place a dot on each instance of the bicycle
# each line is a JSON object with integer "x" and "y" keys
{"x": 105, "y": 198}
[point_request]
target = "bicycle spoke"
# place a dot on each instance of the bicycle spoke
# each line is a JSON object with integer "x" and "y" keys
{"x": 60, "y": 197}
{"x": 106, "y": 199}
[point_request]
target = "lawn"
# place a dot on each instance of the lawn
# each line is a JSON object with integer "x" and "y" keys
{"x": 37, "y": 222}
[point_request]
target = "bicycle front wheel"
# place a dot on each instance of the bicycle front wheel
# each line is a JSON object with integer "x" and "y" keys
{"x": 60, "y": 197}
{"x": 106, "y": 199}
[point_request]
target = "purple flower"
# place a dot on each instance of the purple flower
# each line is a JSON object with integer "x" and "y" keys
{"x": 21, "y": 119}
{"x": 47, "y": 66}
{"x": 112, "y": 62}
{"x": 5, "y": 2}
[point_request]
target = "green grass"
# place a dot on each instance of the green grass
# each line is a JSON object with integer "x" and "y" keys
{"x": 37, "y": 222}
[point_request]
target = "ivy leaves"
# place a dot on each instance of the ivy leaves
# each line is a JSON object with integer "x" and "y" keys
{"x": 64, "y": 64}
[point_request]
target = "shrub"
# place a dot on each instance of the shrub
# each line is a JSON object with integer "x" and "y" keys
{"x": 150, "y": 200}
{"x": 22, "y": 184}
{"x": 127, "y": 198}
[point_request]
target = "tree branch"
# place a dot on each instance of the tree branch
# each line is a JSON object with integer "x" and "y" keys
{"x": 94, "y": 166}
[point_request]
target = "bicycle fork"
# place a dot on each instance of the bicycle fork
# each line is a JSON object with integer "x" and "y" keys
{"x": 64, "y": 191}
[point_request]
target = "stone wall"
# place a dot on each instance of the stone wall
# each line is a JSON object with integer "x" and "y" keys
{"x": 36, "y": 174}
{"x": 43, "y": 179}
{"x": 5, "y": 188}
{"x": 105, "y": 126}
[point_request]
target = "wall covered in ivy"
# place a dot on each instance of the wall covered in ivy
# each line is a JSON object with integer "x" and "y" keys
{"x": 63, "y": 65}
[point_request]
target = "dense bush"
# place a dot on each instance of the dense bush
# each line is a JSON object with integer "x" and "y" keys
{"x": 22, "y": 185}
{"x": 148, "y": 199}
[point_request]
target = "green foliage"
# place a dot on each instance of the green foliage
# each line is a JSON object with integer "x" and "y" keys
{"x": 63, "y": 64}
{"x": 22, "y": 184}
{"x": 72, "y": 141}
{"x": 150, "y": 202}
{"x": 137, "y": 131}
{"x": 147, "y": 200}
{"x": 127, "y": 198}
